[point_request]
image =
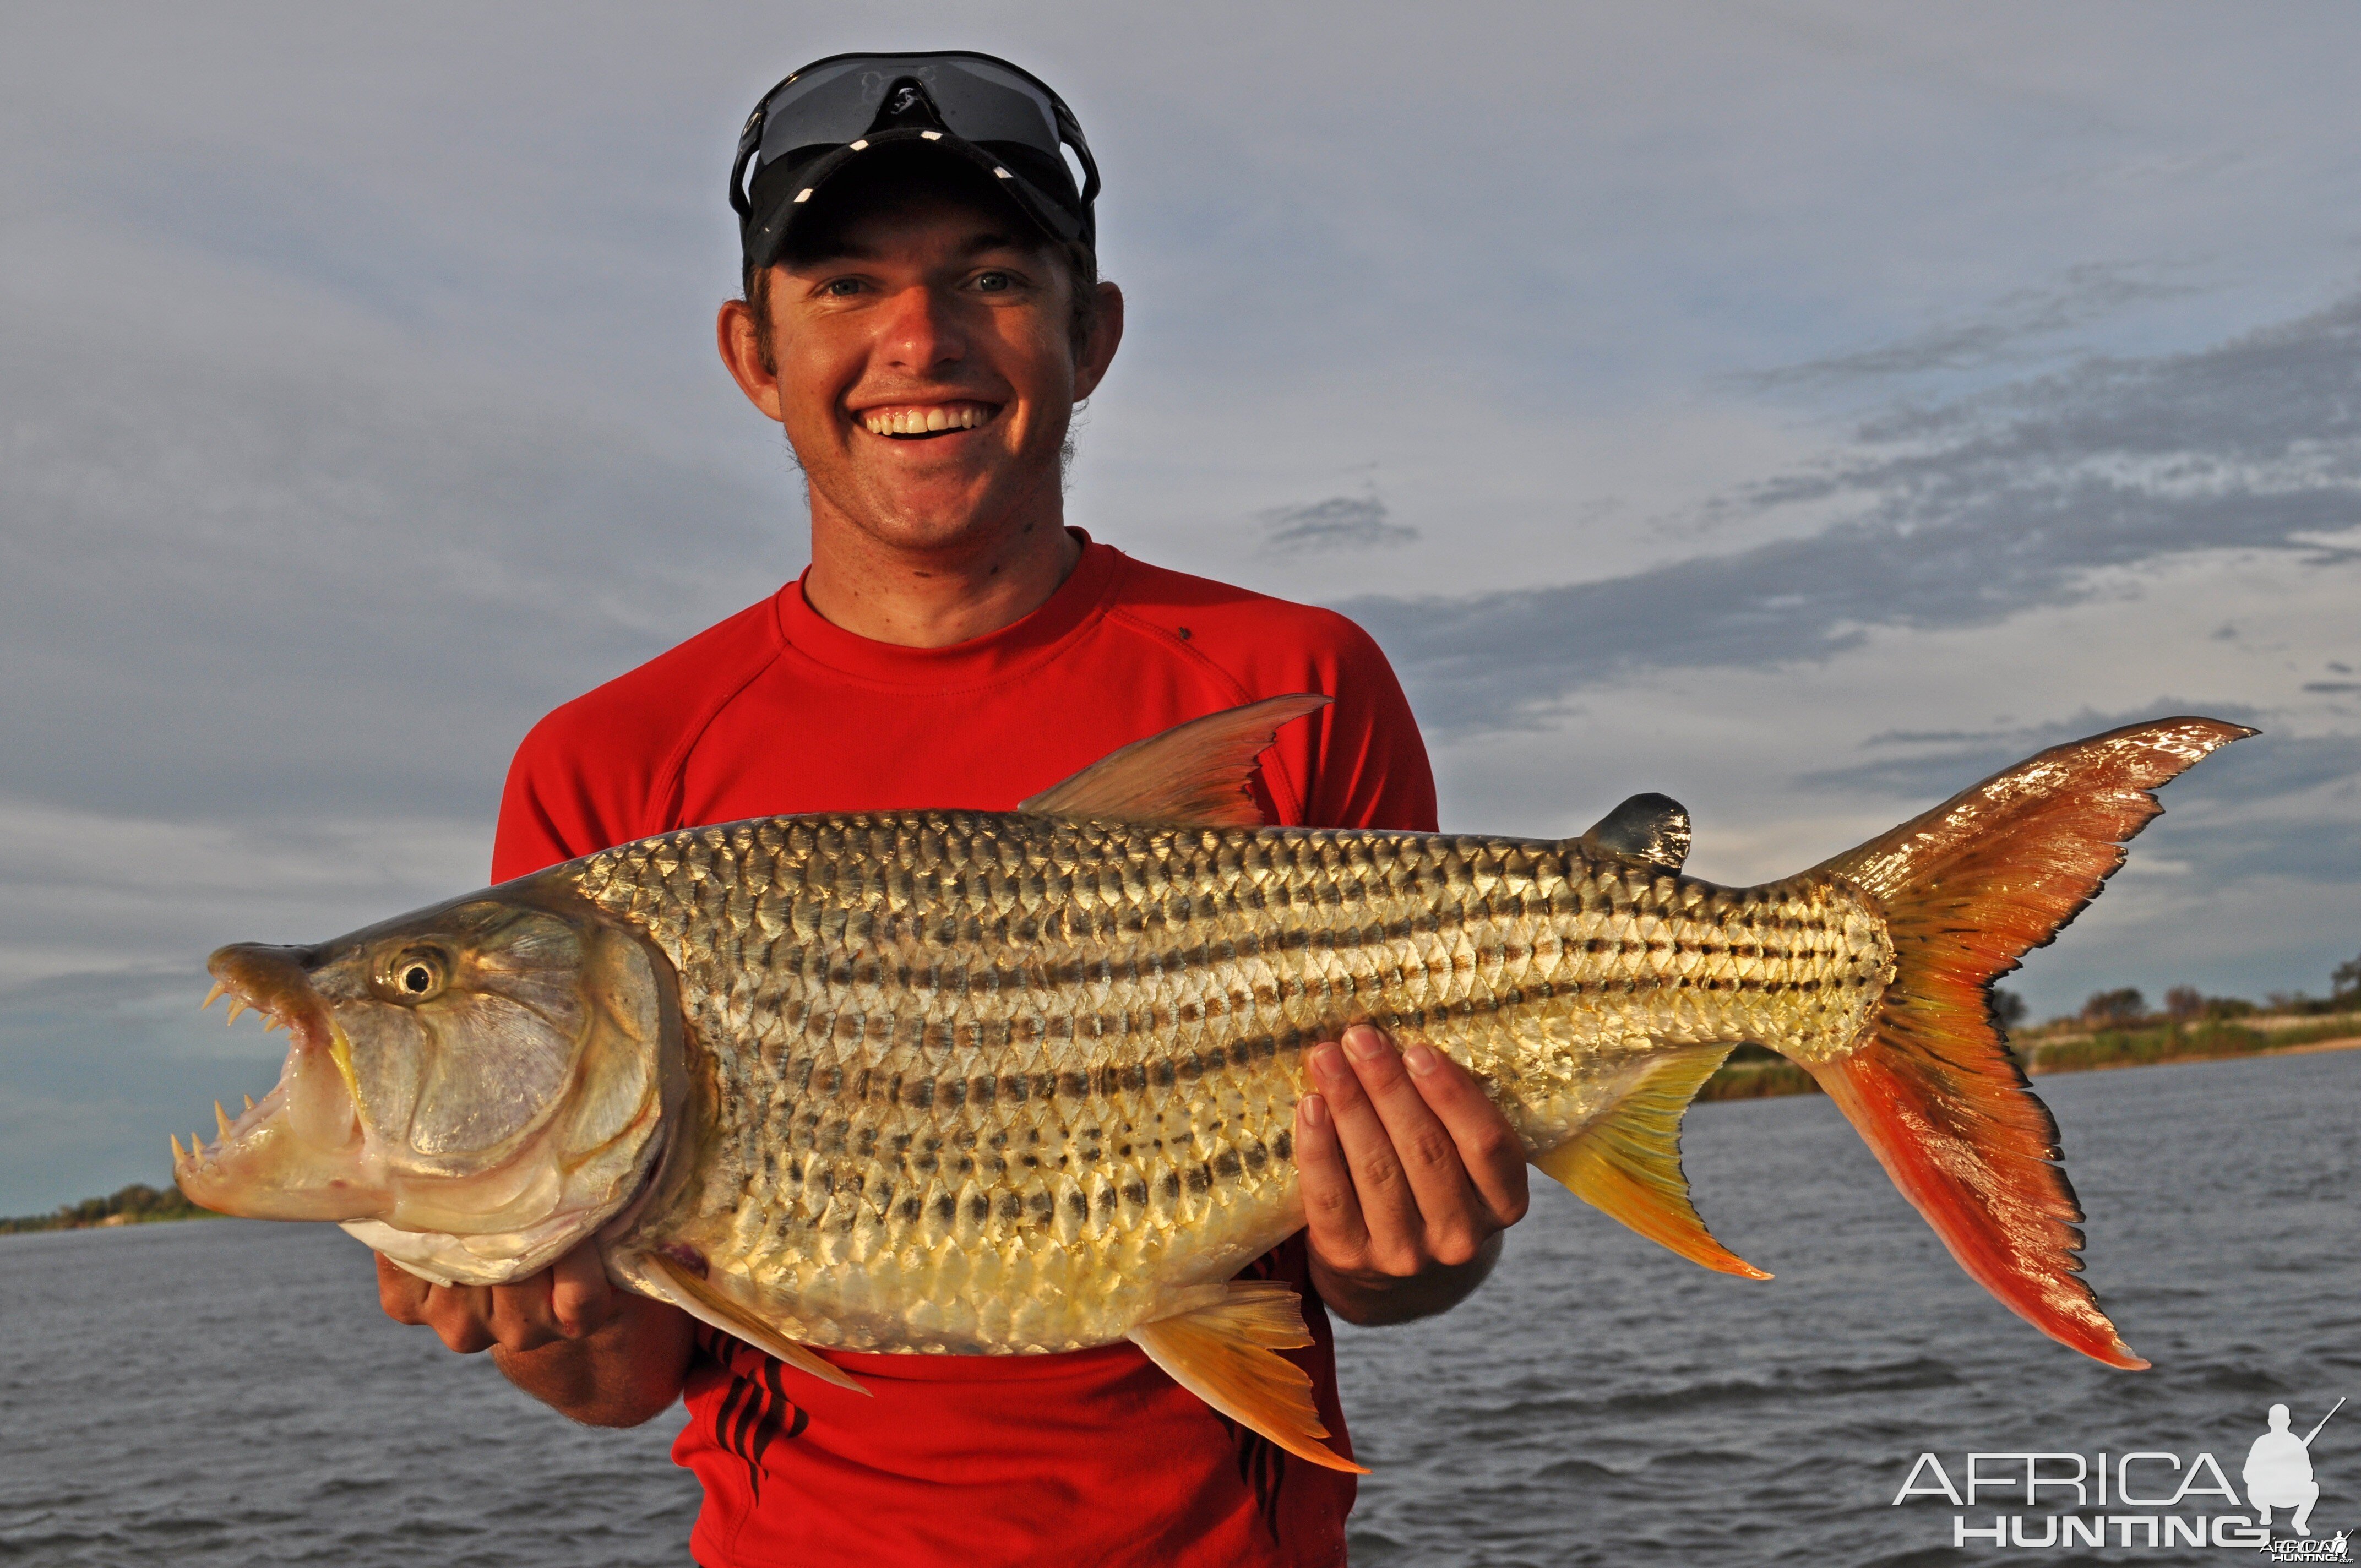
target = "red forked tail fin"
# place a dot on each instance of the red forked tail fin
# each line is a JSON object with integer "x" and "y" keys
{"x": 1968, "y": 888}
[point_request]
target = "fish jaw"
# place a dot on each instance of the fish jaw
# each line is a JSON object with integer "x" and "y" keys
{"x": 300, "y": 1154}
{"x": 470, "y": 1088}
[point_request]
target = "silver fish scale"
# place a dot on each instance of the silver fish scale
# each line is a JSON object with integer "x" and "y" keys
{"x": 987, "y": 1083}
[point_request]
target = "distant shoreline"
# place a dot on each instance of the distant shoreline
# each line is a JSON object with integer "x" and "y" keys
{"x": 2308, "y": 1047}
{"x": 137, "y": 1204}
{"x": 1755, "y": 1074}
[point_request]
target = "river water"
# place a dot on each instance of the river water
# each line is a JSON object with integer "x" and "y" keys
{"x": 227, "y": 1393}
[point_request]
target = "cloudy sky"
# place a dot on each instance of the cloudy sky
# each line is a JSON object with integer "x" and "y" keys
{"x": 1801, "y": 408}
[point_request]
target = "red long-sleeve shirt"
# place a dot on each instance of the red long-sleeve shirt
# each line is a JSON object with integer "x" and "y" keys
{"x": 1091, "y": 1457}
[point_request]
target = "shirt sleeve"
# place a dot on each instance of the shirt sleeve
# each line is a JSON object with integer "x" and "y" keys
{"x": 529, "y": 836}
{"x": 1373, "y": 770}
{"x": 1361, "y": 760}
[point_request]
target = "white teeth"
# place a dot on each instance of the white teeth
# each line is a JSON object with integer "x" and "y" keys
{"x": 920, "y": 422}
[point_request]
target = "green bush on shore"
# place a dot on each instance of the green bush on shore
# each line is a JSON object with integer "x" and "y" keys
{"x": 137, "y": 1204}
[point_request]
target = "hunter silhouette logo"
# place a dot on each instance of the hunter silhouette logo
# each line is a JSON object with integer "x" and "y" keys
{"x": 2279, "y": 1472}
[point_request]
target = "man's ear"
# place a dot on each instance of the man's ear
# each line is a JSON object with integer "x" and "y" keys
{"x": 1107, "y": 336}
{"x": 740, "y": 338}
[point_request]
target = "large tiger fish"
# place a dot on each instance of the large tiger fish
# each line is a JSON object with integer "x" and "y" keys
{"x": 983, "y": 1084}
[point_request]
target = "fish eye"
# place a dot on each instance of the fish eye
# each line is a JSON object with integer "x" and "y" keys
{"x": 412, "y": 976}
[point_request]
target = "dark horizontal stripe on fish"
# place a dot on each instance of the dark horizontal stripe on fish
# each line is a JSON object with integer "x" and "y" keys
{"x": 831, "y": 1082}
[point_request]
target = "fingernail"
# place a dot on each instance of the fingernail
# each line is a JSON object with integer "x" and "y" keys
{"x": 1364, "y": 1043}
{"x": 1419, "y": 1059}
{"x": 1315, "y": 1111}
{"x": 1326, "y": 1062}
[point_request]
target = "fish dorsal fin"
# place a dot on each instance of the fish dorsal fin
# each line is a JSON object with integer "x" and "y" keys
{"x": 1651, "y": 828}
{"x": 1194, "y": 772}
{"x": 715, "y": 1309}
{"x": 1226, "y": 1352}
{"x": 1627, "y": 1163}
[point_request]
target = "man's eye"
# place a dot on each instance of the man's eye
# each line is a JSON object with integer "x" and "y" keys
{"x": 993, "y": 282}
{"x": 842, "y": 286}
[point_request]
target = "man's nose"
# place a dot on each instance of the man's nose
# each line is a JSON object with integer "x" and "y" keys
{"x": 920, "y": 331}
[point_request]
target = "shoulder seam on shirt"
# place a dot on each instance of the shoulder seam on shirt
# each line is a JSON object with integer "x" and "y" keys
{"x": 1188, "y": 650}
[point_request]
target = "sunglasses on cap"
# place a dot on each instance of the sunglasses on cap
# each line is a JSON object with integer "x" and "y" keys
{"x": 997, "y": 118}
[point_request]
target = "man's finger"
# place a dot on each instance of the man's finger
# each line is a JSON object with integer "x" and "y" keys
{"x": 1489, "y": 1148}
{"x": 1388, "y": 1206}
{"x": 580, "y": 1299}
{"x": 461, "y": 1317}
{"x": 1332, "y": 1210}
{"x": 400, "y": 1294}
{"x": 519, "y": 1317}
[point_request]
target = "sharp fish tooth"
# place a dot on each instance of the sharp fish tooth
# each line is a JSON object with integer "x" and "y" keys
{"x": 221, "y": 1117}
{"x": 249, "y": 1102}
{"x": 213, "y": 996}
{"x": 235, "y": 1007}
{"x": 177, "y": 1157}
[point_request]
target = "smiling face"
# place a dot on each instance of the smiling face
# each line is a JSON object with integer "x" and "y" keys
{"x": 922, "y": 358}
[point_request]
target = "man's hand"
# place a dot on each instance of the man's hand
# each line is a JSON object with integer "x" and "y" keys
{"x": 565, "y": 1335}
{"x": 1410, "y": 1175}
{"x": 570, "y": 1300}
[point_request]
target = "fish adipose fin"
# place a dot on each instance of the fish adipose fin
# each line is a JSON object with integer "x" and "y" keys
{"x": 1966, "y": 889}
{"x": 1194, "y": 772}
{"x": 1651, "y": 828}
{"x": 1627, "y": 1163}
{"x": 1226, "y": 1352}
{"x": 715, "y": 1309}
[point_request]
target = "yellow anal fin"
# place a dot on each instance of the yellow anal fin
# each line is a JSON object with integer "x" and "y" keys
{"x": 1627, "y": 1163}
{"x": 1228, "y": 1354}
{"x": 715, "y": 1309}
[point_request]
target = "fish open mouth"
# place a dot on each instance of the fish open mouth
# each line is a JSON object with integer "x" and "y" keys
{"x": 296, "y": 1155}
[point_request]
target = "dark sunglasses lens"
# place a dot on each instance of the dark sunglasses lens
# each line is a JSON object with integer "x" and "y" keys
{"x": 835, "y": 104}
{"x": 984, "y": 105}
{"x": 828, "y": 104}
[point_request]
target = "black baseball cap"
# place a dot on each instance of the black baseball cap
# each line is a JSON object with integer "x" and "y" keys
{"x": 1002, "y": 119}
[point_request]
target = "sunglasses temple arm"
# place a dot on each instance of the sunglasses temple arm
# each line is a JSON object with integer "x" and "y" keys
{"x": 750, "y": 141}
{"x": 1070, "y": 131}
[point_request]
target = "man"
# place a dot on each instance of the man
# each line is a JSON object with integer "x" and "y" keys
{"x": 922, "y": 312}
{"x": 2277, "y": 1473}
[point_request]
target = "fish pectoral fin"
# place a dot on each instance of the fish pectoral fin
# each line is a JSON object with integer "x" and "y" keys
{"x": 1226, "y": 1354}
{"x": 1627, "y": 1163}
{"x": 1194, "y": 772}
{"x": 716, "y": 1308}
{"x": 1651, "y": 828}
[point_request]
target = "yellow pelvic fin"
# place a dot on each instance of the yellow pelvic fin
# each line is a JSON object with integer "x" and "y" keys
{"x": 716, "y": 1308}
{"x": 1627, "y": 1163}
{"x": 1194, "y": 772}
{"x": 1228, "y": 1354}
